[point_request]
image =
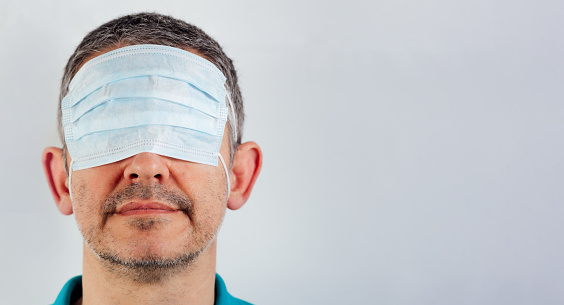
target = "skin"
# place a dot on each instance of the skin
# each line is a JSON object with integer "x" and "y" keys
{"x": 142, "y": 234}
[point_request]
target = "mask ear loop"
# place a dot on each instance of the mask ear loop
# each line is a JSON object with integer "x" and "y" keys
{"x": 70, "y": 176}
{"x": 226, "y": 174}
{"x": 234, "y": 130}
{"x": 233, "y": 117}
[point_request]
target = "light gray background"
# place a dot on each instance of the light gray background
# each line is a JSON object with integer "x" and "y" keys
{"x": 413, "y": 149}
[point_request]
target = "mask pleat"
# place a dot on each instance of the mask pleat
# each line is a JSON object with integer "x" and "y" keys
{"x": 146, "y": 60}
{"x": 166, "y": 89}
{"x": 133, "y": 112}
{"x": 145, "y": 98}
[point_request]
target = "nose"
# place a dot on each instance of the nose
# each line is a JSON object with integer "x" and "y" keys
{"x": 146, "y": 167}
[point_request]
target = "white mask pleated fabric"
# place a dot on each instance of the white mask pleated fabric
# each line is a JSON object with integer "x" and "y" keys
{"x": 145, "y": 98}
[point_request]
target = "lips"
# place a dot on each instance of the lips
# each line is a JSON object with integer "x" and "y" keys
{"x": 138, "y": 208}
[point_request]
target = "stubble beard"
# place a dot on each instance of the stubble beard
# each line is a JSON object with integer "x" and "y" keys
{"x": 148, "y": 268}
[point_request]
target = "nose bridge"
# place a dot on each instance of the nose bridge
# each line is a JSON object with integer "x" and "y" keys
{"x": 146, "y": 166}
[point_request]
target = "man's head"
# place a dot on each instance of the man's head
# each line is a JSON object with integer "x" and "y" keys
{"x": 152, "y": 28}
{"x": 149, "y": 215}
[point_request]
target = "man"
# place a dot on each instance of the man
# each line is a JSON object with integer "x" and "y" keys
{"x": 150, "y": 116}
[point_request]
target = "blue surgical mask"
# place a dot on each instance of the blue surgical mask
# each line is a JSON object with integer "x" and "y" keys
{"x": 145, "y": 98}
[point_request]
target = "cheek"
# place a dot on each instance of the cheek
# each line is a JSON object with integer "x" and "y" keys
{"x": 85, "y": 203}
{"x": 206, "y": 186}
{"x": 203, "y": 182}
{"x": 90, "y": 188}
{"x": 95, "y": 181}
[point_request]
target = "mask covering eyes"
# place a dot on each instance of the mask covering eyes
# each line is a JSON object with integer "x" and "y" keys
{"x": 145, "y": 98}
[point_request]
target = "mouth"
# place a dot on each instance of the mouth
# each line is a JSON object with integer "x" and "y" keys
{"x": 141, "y": 208}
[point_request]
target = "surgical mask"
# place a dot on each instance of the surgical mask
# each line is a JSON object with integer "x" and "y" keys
{"x": 145, "y": 98}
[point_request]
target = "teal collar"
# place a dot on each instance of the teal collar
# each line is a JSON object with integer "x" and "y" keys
{"x": 72, "y": 291}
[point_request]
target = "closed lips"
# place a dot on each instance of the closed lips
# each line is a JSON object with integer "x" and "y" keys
{"x": 149, "y": 207}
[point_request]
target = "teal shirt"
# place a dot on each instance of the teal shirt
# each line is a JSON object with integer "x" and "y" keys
{"x": 73, "y": 291}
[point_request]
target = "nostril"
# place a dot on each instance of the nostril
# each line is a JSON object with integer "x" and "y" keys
{"x": 157, "y": 176}
{"x": 134, "y": 175}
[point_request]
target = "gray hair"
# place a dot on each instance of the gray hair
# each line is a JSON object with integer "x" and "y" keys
{"x": 153, "y": 28}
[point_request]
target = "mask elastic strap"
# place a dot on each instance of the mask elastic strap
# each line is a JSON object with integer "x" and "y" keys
{"x": 70, "y": 176}
{"x": 233, "y": 117}
{"x": 226, "y": 174}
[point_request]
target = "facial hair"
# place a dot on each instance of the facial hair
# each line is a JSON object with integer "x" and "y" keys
{"x": 150, "y": 268}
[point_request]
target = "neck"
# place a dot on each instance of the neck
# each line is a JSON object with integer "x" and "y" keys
{"x": 193, "y": 285}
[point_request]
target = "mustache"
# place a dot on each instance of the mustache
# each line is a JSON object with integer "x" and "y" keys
{"x": 146, "y": 192}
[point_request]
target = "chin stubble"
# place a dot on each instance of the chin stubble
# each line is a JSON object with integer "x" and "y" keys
{"x": 150, "y": 270}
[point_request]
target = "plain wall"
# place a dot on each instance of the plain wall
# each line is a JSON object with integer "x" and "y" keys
{"x": 413, "y": 149}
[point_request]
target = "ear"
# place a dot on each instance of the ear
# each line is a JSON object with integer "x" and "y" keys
{"x": 57, "y": 178}
{"x": 247, "y": 163}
